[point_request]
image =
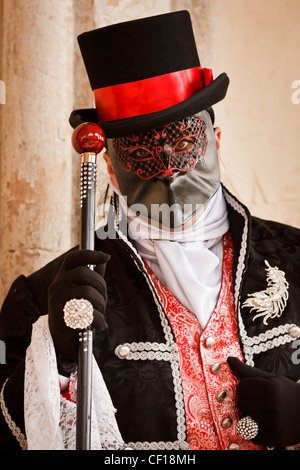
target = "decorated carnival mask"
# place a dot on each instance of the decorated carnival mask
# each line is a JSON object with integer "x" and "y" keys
{"x": 167, "y": 174}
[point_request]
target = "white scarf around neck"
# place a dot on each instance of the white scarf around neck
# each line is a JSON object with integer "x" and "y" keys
{"x": 188, "y": 262}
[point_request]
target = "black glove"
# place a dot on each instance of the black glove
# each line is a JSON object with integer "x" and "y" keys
{"x": 272, "y": 401}
{"x": 75, "y": 280}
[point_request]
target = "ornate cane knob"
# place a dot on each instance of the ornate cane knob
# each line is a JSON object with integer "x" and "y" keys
{"x": 88, "y": 138}
{"x": 78, "y": 314}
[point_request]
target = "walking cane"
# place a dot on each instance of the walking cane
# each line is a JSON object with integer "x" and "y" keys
{"x": 88, "y": 140}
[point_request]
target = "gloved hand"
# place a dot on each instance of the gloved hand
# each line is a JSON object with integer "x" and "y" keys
{"x": 75, "y": 280}
{"x": 272, "y": 401}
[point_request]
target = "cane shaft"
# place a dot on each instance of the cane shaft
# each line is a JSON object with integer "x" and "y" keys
{"x": 84, "y": 391}
{"x": 84, "y": 386}
{"x": 88, "y": 140}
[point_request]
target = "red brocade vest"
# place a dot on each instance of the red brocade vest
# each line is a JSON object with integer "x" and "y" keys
{"x": 209, "y": 387}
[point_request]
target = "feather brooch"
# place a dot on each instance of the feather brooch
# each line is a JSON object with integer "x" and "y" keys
{"x": 271, "y": 302}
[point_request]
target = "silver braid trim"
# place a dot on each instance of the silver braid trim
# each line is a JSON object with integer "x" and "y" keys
{"x": 10, "y": 422}
{"x": 273, "y": 337}
{"x": 159, "y": 351}
{"x": 161, "y": 445}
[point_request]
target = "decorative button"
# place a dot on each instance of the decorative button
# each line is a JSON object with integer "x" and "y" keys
{"x": 221, "y": 395}
{"x": 233, "y": 446}
{"x": 209, "y": 342}
{"x": 122, "y": 351}
{"x": 215, "y": 368}
{"x": 227, "y": 422}
{"x": 294, "y": 331}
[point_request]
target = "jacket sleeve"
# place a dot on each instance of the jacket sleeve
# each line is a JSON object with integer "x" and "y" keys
{"x": 18, "y": 313}
{"x": 25, "y": 302}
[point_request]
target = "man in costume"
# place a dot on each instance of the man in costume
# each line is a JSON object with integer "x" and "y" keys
{"x": 195, "y": 301}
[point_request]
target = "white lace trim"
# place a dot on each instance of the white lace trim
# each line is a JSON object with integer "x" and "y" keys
{"x": 50, "y": 419}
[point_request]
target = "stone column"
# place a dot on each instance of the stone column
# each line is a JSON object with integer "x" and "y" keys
{"x": 36, "y": 158}
{"x": 45, "y": 79}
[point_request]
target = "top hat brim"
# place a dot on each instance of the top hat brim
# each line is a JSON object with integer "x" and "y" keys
{"x": 205, "y": 98}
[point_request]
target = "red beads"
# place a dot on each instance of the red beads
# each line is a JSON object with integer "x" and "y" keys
{"x": 88, "y": 137}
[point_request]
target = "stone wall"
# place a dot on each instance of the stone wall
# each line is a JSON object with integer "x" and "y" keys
{"x": 254, "y": 41}
{"x": 258, "y": 43}
{"x": 36, "y": 164}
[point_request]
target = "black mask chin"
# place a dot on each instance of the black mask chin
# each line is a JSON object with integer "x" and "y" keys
{"x": 168, "y": 174}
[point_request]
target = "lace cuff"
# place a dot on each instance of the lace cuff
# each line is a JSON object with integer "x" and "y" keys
{"x": 50, "y": 418}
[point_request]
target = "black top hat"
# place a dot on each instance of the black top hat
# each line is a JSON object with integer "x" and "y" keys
{"x": 145, "y": 73}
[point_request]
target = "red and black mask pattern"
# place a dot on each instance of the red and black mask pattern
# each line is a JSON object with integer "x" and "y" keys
{"x": 178, "y": 146}
{"x": 169, "y": 171}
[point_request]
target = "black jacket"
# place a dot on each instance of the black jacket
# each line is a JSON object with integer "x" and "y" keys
{"x": 145, "y": 386}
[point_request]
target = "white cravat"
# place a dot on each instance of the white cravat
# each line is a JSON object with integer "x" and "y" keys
{"x": 188, "y": 262}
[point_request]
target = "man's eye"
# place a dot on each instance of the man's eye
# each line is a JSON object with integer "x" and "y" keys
{"x": 185, "y": 144}
{"x": 138, "y": 153}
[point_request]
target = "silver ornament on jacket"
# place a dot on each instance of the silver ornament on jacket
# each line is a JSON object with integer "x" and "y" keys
{"x": 271, "y": 302}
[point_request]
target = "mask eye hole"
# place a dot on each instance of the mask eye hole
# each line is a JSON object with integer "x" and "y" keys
{"x": 138, "y": 153}
{"x": 185, "y": 144}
